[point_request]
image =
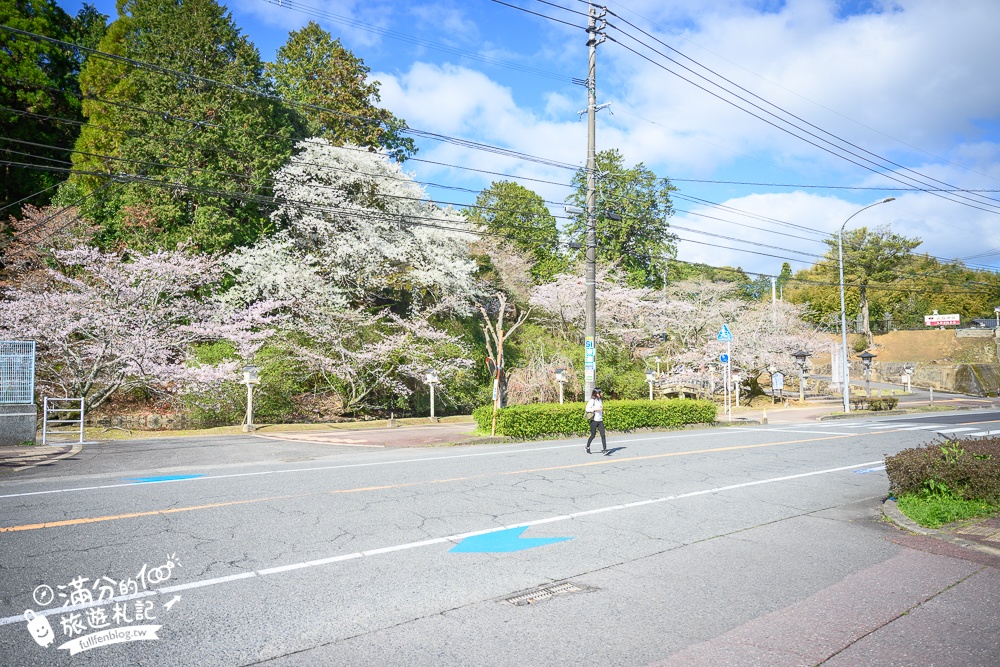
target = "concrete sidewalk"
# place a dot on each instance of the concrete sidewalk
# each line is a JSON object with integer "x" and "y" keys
{"x": 13, "y": 459}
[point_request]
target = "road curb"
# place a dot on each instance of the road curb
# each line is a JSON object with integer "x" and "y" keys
{"x": 855, "y": 415}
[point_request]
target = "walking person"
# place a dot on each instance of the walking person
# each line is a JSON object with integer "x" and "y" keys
{"x": 595, "y": 413}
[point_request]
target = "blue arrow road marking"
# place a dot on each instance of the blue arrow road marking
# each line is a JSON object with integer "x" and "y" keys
{"x": 163, "y": 478}
{"x": 868, "y": 470}
{"x": 502, "y": 541}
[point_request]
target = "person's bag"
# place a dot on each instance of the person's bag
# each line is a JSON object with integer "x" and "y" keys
{"x": 588, "y": 415}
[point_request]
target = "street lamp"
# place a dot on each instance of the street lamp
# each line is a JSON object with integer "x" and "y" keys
{"x": 650, "y": 378}
{"x": 800, "y": 360}
{"x": 843, "y": 312}
{"x": 561, "y": 379}
{"x": 866, "y": 359}
{"x": 432, "y": 379}
{"x": 251, "y": 379}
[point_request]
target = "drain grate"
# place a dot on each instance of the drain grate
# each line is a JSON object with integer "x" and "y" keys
{"x": 542, "y": 593}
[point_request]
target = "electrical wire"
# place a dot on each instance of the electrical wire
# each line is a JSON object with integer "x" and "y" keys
{"x": 874, "y": 169}
{"x": 782, "y": 110}
{"x": 392, "y": 34}
{"x": 425, "y": 134}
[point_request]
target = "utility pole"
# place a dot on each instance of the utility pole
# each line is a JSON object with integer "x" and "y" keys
{"x": 595, "y": 36}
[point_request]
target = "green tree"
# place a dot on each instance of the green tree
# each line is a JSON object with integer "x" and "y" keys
{"x": 870, "y": 256}
{"x": 313, "y": 68}
{"x": 215, "y": 147}
{"x": 785, "y": 275}
{"x": 639, "y": 243}
{"x": 519, "y": 214}
{"x": 40, "y": 78}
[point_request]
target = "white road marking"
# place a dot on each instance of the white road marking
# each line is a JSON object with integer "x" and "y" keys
{"x": 791, "y": 429}
{"x": 981, "y": 433}
{"x": 926, "y": 427}
{"x": 19, "y": 618}
{"x": 881, "y": 426}
{"x": 955, "y": 430}
{"x": 611, "y": 444}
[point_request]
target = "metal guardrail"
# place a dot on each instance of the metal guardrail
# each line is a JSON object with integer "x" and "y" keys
{"x": 52, "y": 406}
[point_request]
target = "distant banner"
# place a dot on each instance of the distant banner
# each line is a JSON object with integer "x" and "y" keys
{"x": 941, "y": 320}
{"x": 132, "y": 633}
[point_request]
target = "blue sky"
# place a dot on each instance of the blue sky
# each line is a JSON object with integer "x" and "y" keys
{"x": 907, "y": 81}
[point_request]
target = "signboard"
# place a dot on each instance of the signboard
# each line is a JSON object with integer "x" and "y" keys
{"x": 737, "y": 378}
{"x": 725, "y": 334}
{"x": 936, "y": 320}
{"x": 777, "y": 381}
{"x": 724, "y": 358}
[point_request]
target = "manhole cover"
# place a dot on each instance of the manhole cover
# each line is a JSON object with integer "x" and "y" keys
{"x": 543, "y": 593}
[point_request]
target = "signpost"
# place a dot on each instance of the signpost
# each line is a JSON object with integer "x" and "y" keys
{"x": 727, "y": 336}
{"x": 777, "y": 384}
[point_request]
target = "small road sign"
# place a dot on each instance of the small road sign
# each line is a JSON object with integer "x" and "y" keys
{"x": 724, "y": 358}
{"x": 725, "y": 334}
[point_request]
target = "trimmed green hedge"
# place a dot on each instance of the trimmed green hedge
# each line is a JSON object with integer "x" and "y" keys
{"x": 539, "y": 419}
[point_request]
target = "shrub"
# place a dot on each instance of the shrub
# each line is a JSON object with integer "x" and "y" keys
{"x": 531, "y": 421}
{"x": 968, "y": 468}
{"x": 879, "y": 404}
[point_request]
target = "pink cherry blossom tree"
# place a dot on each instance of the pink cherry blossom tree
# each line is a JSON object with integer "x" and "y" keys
{"x": 112, "y": 322}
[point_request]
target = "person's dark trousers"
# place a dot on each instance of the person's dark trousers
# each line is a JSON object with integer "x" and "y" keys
{"x": 596, "y": 426}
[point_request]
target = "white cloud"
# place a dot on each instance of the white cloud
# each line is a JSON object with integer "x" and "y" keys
{"x": 917, "y": 74}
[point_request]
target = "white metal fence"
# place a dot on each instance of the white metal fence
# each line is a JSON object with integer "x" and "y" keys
{"x": 70, "y": 420}
{"x": 17, "y": 372}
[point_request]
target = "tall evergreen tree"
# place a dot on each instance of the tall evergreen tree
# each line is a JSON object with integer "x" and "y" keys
{"x": 640, "y": 242}
{"x": 38, "y": 78}
{"x": 315, "y": 69}
{"x": 519, "y": 214}
{"x": 870, "y": 256}
{"x": 209, "y": 143}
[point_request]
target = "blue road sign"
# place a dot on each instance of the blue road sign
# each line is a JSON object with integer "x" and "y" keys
{"x": 724, "y": 358}
{"x": 501, "y": 541}
{"x": 725, "y": 334}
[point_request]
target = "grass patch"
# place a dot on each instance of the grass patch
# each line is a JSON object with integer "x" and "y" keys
{"x": 935, "y": 509}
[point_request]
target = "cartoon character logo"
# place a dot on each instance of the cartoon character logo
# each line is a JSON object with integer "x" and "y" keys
{"x": 39, "y": 628}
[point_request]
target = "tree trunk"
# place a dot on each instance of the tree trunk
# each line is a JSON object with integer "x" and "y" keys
{"x": 865, "y": 324}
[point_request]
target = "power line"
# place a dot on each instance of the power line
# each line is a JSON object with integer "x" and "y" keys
{"x": 384, "y": 32}
{"x": 544, "y": 16}
{"x": 435, "y": 136}
{"x": 790, "y": 132}
{"x": 775, "y": 106}
{"x": 826, "y": 187}
{"x": 167, "y": 115}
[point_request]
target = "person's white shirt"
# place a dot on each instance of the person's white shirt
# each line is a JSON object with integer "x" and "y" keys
{"x": 596, "y": 406}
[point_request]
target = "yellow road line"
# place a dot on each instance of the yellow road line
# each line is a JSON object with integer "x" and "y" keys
{"x": 134, "y": 515}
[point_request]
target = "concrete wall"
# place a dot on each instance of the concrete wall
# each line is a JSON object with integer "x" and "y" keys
{"x": 17, "y": 424}
{"x": 972, "y": 379}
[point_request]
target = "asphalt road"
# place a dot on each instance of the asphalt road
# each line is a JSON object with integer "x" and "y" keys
{"x": 745, "y": 545}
